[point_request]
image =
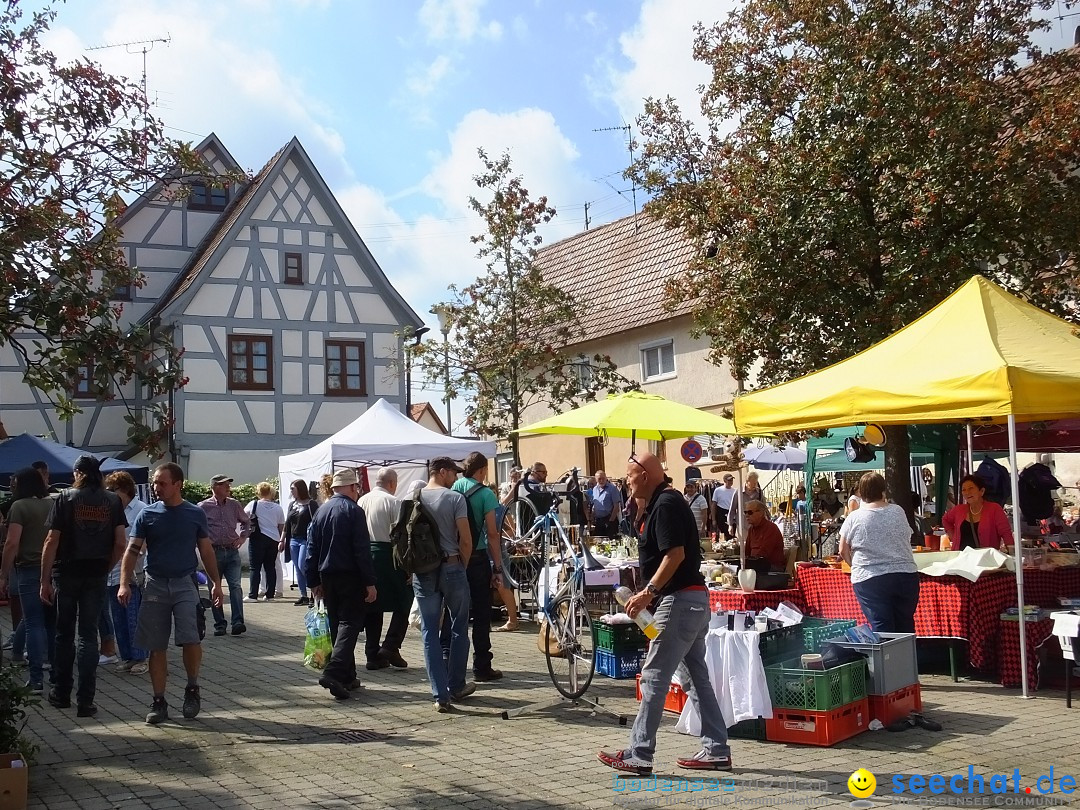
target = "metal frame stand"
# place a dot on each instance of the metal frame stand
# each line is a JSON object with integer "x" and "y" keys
{"x": 593, "y": 703}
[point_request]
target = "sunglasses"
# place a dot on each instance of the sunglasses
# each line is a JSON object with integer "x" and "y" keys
{"x": 631, "y": 458}
{"x": 749, "y": 512}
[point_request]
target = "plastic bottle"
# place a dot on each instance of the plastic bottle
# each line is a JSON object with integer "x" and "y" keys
{"x": 644, "y": 618}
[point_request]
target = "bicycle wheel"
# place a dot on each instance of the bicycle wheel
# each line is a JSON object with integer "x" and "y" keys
{"x": 569, "y": 646}
{"x": 516, "y": 522}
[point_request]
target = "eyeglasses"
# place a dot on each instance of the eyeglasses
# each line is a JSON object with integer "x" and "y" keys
{"x": 749, "y": 512}
{"x": 631, "y": 458}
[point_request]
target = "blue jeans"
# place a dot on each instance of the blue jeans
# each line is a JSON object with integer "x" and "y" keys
{"x": 125, "y": 620}
{"x": 298, "y": 551}
{"x": 445, "y": 589}
{"x": 78, "y": 609}
{"x": 39, "y": 621}
{"x": 888, "y": 601}
{"x": 684, "y": 621}
{"x": 228, "y": 563}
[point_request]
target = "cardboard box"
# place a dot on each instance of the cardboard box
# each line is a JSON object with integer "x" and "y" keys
{"x": 13, "y": 783}
{"x": 605, "y": 576}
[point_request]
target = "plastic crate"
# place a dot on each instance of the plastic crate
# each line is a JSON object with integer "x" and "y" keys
{"x": 619, "y": 665}
{"x": 896, "y": 705}
{"x": 780, "y": 644}
{"x": 752, "y": 729}
{"x": 675, "y": 700}
{"x": 893, "y": 664}
{"x": 818, "y": 728}
{"x": 817, "y": 690}
{"x": 817, "y": 631}
{"x": 619, "y": 637}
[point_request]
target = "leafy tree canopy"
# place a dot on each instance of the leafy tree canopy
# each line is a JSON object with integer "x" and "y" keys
{"x": 74, "y": 139}
{"x": 509, "y": 329}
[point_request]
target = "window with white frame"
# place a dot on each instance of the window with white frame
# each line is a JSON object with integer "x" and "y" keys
{"x": 583, "y": 373}
{"x": 658, "y": 360}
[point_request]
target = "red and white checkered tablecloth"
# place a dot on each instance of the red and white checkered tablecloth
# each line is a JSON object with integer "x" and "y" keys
{"x": 755, "y": 600}
{"x": 1038, "y": 633}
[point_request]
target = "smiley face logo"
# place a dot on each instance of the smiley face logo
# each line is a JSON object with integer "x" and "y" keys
{"x": 862, "y": 783}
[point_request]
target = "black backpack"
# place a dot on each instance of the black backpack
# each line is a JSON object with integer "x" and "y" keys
{"x": 473, "y": 526}
{"x": 414, "y": 538}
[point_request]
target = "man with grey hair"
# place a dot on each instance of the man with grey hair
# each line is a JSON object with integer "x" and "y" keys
{"x": 764, "y": 538}
{"x": 381, "y": 509}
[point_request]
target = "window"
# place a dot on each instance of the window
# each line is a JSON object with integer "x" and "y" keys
{"x": 345, "y": 368}
{"x": 251, "y": 363}
{"x": 294, "y": 268}
{"x": 658, "y": 360}
{"x": 84, "y": 381}
{"x": 583, "y": 373}
{"x": 204, "y": 197}
{"x": 121, "y": 292}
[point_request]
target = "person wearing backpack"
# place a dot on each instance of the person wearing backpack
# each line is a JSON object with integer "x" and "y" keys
{"x": 485, "y": 567}
{"x": 445, "y": 587}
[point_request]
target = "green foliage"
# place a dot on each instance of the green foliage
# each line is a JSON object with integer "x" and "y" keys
{"x": 74, "y": 139}
{"x": 862, "y": 160}
{"x": 15, "y": 699}
{"x": 509, "y": 328}
{"x": 196, "y": 491}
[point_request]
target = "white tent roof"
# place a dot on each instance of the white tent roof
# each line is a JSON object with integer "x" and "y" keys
{"x": 381, "y": 437}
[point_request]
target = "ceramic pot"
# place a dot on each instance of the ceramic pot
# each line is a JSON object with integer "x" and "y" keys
{"x": 747, "y": 579}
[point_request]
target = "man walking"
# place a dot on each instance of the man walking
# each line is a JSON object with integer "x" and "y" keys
{"x": 721, "y": 499}
{"x": 395, "y": 594}
{"x": 484, "y": 570}
{"x": 86, "y": 537}
{"x": 229, "y": 526}
{"x": 341, "y": 573}
{"x": 669, "y": 554}
{"x": 171, "y": 530}
{"x": 447, "y": 587}
{"x": 607, "y": 506}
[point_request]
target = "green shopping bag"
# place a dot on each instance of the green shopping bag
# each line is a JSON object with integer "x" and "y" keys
{"x": 317, "y": 644}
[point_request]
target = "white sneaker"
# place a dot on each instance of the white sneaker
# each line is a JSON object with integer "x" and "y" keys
{"x": 107, "y": 659}
{"x": 250, "y": 599}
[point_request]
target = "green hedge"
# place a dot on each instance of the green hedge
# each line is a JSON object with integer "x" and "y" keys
{"x": 196, "y": 491}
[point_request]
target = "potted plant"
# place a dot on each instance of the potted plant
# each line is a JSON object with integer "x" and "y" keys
{"x": 15, "y": 699}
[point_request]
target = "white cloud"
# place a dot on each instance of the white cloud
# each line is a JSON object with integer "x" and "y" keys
{"x": 457, "y": 20}
{"x": 660, "y": 51}
{"x": 426, "y": 81}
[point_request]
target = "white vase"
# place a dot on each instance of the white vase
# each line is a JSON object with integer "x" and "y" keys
{"x": 747, "y": 579}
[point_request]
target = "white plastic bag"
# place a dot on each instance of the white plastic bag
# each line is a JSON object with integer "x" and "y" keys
{"x": 414, "y": 614}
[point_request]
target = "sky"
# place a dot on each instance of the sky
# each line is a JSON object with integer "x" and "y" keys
{"x": 392, "y": 99}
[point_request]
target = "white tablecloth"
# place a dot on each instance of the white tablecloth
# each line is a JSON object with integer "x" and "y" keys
{"x": 738, "y": 679}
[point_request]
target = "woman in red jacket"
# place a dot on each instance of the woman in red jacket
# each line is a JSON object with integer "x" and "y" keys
{"x": 976, "y": 522}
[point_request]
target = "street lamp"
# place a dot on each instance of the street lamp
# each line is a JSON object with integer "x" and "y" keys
{"x": 445, "y": 313}
{"x": 416, "y": 335}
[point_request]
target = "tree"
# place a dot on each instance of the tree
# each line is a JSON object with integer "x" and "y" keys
{"x": 74, "y": 139}
{"x": 863, "y": 158}
{"x": 509, "y": 329}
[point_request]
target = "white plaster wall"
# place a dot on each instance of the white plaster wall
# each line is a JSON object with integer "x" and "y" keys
{"x": 232, "y": 264}
{"x": 13, "y": 391}
{"x": 213, "y": 300}
{"x": 263, "y": 416}
{"x": 204, "y": 376}
{"x": 385, "y": 382}
{"x": 30, "y": 421}
{"x": 318, "y": 212}
{"x": 291, "y": 236}
{"x": 195, "y": 339}
{"x": 292, "y": 342}
{"x": 292, "y": 378}
{"x": 270, "y": 309}
{"x": 317, "y": 238}
{"x": 352, "y": 272}
{"x": 245, "y": 466}
{"x": 333, "y": 416}
{"x": 385, "y": 345}
{"x": 295, "y": 415}
{"x": 295, "y": 302}
{"x": 370, "y": 308}
{"x": 222, "y": 416}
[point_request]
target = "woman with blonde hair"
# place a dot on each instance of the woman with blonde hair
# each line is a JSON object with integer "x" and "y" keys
{"x": 267, "y": 521}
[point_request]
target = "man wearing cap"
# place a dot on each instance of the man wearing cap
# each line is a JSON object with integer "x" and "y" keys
{"x": 228, "y": 524}
{"x": 86, "y": 537}
{"x": 340, "y": 571}
{"x": 722, "y": 498}
{"x": 447, "y": 587}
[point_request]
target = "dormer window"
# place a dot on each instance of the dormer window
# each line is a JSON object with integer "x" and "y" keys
{"x": 204, "y": 197}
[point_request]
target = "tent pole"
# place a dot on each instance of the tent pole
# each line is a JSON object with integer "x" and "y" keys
{"x": 633, "y": 441}
{"x": 1018, "y": 551}
{"x": 970, "y": 450}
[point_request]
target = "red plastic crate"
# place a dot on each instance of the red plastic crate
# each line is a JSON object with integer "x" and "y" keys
{"x": 818, "y": 728}
{"x": 675, "y": 700}
{"x": 896, "y": 705}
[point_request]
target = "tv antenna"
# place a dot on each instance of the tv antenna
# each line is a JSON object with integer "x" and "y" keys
{"x": 147, "y": 45}
{"x": 630, "y": 146}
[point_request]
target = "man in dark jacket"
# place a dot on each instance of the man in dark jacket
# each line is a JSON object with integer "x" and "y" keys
{"x": 340, "y": 571}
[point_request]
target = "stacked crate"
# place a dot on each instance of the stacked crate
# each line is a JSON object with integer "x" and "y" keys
{"x": 620, "y": 650}
{"x": 893, "y": 687}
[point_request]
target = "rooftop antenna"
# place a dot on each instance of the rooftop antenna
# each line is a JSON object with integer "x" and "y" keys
{"x": 143, "y": 46}
{"x": 630, "y": 146}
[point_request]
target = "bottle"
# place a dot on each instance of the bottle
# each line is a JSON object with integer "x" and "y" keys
{"x": 644, "y": 618}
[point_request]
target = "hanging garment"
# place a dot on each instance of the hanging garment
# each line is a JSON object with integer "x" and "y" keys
{"x": 998, "y": 486}
{"x": 1036, "y": 492}
{"x": 738, "y": 678}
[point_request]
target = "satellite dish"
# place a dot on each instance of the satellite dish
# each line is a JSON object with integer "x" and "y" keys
{"x": 874, "y": 434}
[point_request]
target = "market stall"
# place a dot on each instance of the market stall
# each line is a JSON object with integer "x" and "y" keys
{"x": 1017, "y": 362}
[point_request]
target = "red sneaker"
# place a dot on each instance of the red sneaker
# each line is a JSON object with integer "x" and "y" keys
{"x": 623, "y": 761}
{"x": 704, "y": 761}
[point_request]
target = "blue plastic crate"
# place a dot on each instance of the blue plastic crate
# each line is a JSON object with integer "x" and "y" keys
{"x": 619, "y": 665}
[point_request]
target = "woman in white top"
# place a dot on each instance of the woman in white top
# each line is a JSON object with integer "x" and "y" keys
{"x": 698, "y": 505}
{"x": 268, "y": 520}
{"x": 875, "y": 540}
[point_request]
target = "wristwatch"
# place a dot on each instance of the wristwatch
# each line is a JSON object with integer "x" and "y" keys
{"x": 652, "y": 589}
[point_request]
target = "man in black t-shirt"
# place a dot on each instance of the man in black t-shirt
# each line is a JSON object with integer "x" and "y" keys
{"x": 669, "y": 553}
{"x": 86, "y": 537}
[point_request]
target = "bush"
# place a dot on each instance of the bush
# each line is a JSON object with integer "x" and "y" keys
{"x": 15, "y": 698}
{"x": 196, "y": 491}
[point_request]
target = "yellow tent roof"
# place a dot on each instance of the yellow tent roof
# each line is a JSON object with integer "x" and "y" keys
{"x": 634, "y": 414}
{"x": 980, "y": 354}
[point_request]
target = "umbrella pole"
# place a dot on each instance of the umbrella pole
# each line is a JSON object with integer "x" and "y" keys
{"x": 633, "y": 441}
{"x": 740, "y": 524}
{"x": 970, "y": 451}
{"x": 1018, "y": 551}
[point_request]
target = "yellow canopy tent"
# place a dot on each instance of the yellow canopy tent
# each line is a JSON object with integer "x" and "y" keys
{"x": 981, "y": 354}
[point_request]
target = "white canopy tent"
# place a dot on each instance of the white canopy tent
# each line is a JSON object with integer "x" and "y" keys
{"x": 381, "y": 437}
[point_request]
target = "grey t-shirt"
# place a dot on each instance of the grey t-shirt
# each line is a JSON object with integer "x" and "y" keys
{"x": 880, "y": 540}
{"x": 446, "y": 506}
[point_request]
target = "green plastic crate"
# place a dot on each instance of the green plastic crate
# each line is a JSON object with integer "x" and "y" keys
{"x": 815, "y": 690}
{"x": 780, "y": 644}
{"x": 752, "y": 729}
{"x": 620, "y": 637}
{"x": 817, "y": 631}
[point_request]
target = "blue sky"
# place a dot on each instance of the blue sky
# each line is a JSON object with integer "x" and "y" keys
{"x": 392, "y": 98}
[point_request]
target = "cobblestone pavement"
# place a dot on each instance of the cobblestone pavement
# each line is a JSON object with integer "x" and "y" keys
{"x": 270, "y": 737}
